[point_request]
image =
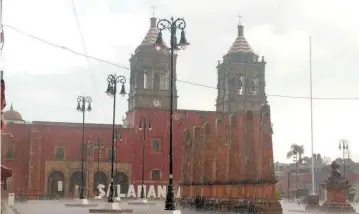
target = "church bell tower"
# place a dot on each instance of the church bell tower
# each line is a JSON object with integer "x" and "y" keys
{"x": 241, "y": 78}
{"x": 150, "y": 73}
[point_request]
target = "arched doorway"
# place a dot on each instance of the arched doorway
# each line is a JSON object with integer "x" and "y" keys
{"x": 99, "y": 178}
{"x": 76, "y": 180}
{"x": 53, "y": 180}
{"x": 122, "y": 179}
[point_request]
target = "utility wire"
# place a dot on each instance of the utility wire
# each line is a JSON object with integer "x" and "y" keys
{"x": 180, "y": 81}
{"x": 62, "y": 47}
{"x": 87, "y": 58}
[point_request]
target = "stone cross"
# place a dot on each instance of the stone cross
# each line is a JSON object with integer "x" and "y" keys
{"x": 153, "y": 10}
{"x": 239, "y": 19}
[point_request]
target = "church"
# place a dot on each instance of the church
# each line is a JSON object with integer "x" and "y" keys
{"x": 42, "y": 154}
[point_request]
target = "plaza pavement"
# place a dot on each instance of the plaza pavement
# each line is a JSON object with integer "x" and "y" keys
{"x": 54, "y": 207}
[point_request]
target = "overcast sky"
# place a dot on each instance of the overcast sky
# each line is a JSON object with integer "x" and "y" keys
{"x": 43, "y": 82}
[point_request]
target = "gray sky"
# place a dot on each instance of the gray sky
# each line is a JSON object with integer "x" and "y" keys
{"x": 43, "y": 81}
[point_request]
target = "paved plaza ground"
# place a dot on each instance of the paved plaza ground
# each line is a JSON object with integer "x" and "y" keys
{"x": 53, "y": 207}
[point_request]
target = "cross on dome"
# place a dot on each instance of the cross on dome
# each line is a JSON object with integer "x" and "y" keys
{"x": 239, "y": 19}
{"x": 240, "y": 45}
{"x": 153, "y": 10}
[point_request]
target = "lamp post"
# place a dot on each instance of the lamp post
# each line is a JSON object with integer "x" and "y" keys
{"x": 343, "y": 145}
{"x": 81, "y": 107}
{"x": 112, "y": 81}
{"x": 89, "y": 153}
{"x": 117, "y": 198}
{"x": 171, "y": 25}
{"x": 144, "y": 124}
{"x": 98, "y": 145}
{"x": 295, "y": 160}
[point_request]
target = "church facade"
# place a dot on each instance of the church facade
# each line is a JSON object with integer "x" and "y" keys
{"x": 42, "y": 154}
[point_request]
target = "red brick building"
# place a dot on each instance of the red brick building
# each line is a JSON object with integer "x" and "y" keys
{"x": 43, "y": 153}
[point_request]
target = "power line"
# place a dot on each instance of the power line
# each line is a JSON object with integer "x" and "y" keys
{"x": 181, "y": 81}
{"x": 85, "y": 51}
{"x": 63, "y": 47}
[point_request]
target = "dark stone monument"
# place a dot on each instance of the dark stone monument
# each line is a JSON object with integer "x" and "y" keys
{"x": 336, "y": 186}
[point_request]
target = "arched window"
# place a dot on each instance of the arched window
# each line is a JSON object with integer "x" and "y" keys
{"x": 232, "y": 120}
{"x": 196, "y": 132}
{"x": 207, "y": 131}
{"x": 249, "y": 114}
{"x": 218, "y": 123}
{"x": 187, "y": 137}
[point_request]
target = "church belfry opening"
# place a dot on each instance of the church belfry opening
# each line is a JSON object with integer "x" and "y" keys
{"x": 149, "y": 80}
{"x": 241, "y": 78}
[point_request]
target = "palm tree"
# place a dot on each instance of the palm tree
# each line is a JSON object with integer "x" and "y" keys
{"x": 295, "y": 150}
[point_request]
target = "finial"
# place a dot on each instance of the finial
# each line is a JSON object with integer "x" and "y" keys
{"x": 239, "y": 19}
{"x": 11, "y": 107}
{"x": 153, "y": 19}
{"x": 240, "y": 26}
{"x": 153, "y": 10}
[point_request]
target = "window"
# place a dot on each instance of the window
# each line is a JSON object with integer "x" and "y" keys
{"x": 239, "y": 82}
{"x": 164, "y": 81}
{"x": 156, "y": 80}
{"x": 156, "y": 175}
{"x": 10, "y": 152}
{"x": 147, "y": 79}
{"x": 254, "y": 85}
{"x": 59, "y": 153}
{"x": 109, "y": 154}
{"x": 156, "y": 145}
{"x": 10, "y": 155}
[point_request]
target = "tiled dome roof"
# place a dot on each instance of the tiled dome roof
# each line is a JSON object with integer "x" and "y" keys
{"x": 12, "y": 115}
{"x": 240, "y": 45}
{"x": 151, "y": 36}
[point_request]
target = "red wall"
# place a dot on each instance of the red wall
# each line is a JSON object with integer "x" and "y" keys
{"x": 19, "y": 164}
{"x": 69, "y": 136}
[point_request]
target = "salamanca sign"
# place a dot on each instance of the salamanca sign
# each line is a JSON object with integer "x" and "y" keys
{"x": 151, "y": 192}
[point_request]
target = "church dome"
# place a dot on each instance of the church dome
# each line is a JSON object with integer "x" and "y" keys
{"x": 151, "y": 36}
{"x": 240, "y": 45}
{"x": 12, "y": 115}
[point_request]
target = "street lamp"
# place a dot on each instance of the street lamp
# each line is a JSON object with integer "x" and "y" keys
{"x": 343, "y": 145}
{"x": 144, "y": 124}
{"x": 117, "y": 198}
{"x": 112, "y": 81}
{"x": 81, "y": 107}
{"x": 172, "y": 26}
